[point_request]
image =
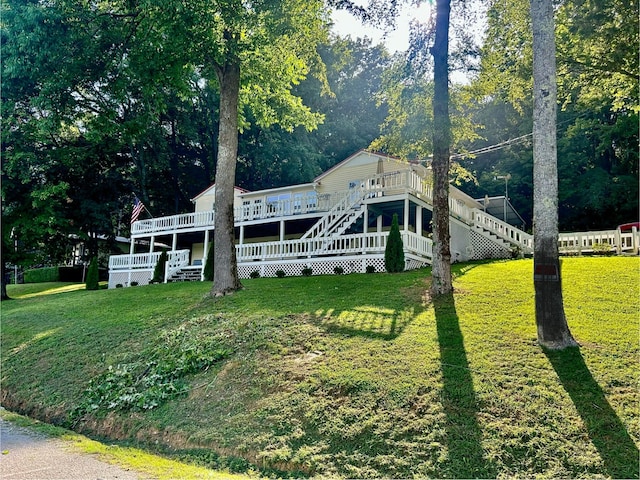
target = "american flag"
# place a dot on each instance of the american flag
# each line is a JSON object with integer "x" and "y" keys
{"x": 138, "y": 207}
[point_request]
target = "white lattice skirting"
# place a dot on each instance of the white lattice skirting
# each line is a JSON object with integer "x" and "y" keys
{"x": 291, "y": 268}
{"x": 483, "y": 247}
{"x": 323, "y": 266}
{"x": 139, "y": 277}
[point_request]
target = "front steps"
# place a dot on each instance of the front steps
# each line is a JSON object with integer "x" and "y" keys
{"x": 187, "y": 274}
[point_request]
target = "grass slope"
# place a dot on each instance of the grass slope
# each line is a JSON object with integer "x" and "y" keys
{"x": 354, "y": 376}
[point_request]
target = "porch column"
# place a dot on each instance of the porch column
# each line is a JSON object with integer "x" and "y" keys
{"x": 174, "y": 242}
{"x": 152, "y": 244}
{"x": 406, "y": 214}
{"x": 205, "y": 254}
{"x": 365, "y": 226}
{"x": 241, "y": 239}
{"x": 281, "y": 247}
{"x": 132, "y": 250}
{"x": 379, "y": 230}
{"x": 419, "y": 220}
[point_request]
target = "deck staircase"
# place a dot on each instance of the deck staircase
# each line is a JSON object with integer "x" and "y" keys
{"x": 189, "y": 273}
{"x": 343, "y": 214}
{"x": 338, "y": 220}
{"x": 502, "y": 234}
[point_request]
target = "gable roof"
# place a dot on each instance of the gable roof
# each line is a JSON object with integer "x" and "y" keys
{"x": 211, "y": 187}
{"x": 373, "y": 156}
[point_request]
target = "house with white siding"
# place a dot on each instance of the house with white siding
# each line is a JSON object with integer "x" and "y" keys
{"x": 341, "y": 219}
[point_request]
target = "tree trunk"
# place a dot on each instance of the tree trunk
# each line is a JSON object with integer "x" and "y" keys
{"x": 553, "y": 331}
{"x": 441, "y": 270}
{"x": 3, "y": 280}
{"x": 225, "y": 272}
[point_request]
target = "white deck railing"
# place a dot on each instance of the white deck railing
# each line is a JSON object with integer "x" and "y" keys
{"x": 175, "y": 262}
{"x": 369, "y": 243}
{"x": 503, "y": 230}
{"x": 308, "y": 202}
{"x": 602, "y": 241}
{"x": 147, "y": 261}
{"x": 173, "y": 223}
{"x": 341, "y": 245}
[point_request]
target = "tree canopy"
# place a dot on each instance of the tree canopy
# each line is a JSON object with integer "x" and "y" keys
{"x": 101, "y": 101}
{"x": 597, "y": 56}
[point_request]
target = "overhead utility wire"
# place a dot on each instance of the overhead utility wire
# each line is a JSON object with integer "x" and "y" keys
{"x": 492, "y": 148}
{"x": 506, "y": 143}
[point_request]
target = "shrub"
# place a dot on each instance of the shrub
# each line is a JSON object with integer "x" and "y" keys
{"x": 280, "y": 273}
{"x": 39, "y": 275}
{"x": 602, "y": 249}
{"x": 134, "y": 284}
{"x": 160, "y": 269}
{"x": 371, "y": 269}
{"x": 338, "y": 270}
{"x": 255, "y": 274}
{"x": 394, "y": 252}
{"x": 516, "y": 252}
{"x": 306, "y": 272}
{"x": 119, "y": 285}
{"x": 91, "y": 282}
{"x": 208, "y": 266}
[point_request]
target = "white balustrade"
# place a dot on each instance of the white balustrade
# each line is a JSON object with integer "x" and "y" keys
{"x": 340, "y": 245}
{"x": 175, "y": 261}
{"x": 503, "y": 230}
{"x": 135, "y": 261}
{"x": 307, "y": 202}
{"x": 147, "y": 261}
{"x": 600, "y": 241}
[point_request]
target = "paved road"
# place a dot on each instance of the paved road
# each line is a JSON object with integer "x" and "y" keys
{"x": 26, "y": 455}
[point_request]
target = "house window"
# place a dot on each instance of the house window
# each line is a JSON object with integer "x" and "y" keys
{"x": 272, "y": 203}
{"x": 257, "y": 207}
{"x": 312, "y": 200}
{"x": 277, "y": 202}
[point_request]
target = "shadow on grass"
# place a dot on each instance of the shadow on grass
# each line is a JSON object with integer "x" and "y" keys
{"x": 619, "y": 453}
{"x": 463, "y": 433}
{"x": 367, "y": 321}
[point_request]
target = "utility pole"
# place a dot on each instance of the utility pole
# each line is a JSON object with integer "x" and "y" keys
{"x": 506, "y": 179}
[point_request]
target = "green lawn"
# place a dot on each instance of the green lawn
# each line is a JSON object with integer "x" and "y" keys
{"x": 352, "y": 375}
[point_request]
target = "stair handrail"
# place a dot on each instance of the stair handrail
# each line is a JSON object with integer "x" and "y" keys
{"x": 348, "y": 200}
{"x": 176, "y": 260}
{"x": 503, "y": 230}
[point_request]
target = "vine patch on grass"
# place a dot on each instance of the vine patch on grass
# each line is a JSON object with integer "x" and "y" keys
{"x": 156, "y": 376}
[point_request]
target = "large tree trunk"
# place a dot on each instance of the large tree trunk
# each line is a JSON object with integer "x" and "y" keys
{"x": 225, "y": 272}
{"x": 3, "y": 280}
{"x": 441, "y": 271}
{"x": 553, "y": 331}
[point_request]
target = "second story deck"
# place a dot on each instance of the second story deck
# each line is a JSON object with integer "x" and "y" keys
{"x": 259, "y": 207}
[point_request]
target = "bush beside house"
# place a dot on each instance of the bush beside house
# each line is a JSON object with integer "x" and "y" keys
{"x": 208, "y": 266}
{"x": 92, "y": 275}
{"x": 160, "y": 269}
{"x": 394, "y": 251}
